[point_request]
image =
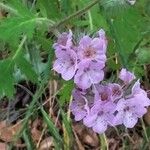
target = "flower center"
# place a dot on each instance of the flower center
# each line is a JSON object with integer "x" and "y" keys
{"x": 104, "y": 96}
{"x": 126, "y": 108}
{"x": 63, "y": 40}
{"x": 100, "y": 113}
{"x": 116, "y": 91}
{"x": 89, "y": 52}
{"x": 72, "y": 62}
{"x": 81, "y": 104}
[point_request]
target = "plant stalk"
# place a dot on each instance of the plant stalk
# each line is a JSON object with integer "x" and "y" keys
{"x": 78, "y": 13}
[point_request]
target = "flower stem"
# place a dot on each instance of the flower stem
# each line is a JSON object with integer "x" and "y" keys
{"x": 78, "y": 13}
{"x": 144, "y": 128}
{"x": 103, "y": 142}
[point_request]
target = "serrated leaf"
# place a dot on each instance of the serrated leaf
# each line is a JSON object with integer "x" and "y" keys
{"x": 143, "y": 55}
{"x": 26, "y": 69}
{"x": 36, "y": 59}
{"x": 114, "y": 7}
{"x": 98, "y": 19}
{"x": 46, "y": 44}
{"x": 20, "y": 8}
{"x": 7, "y": 79}
{"x": 126, "y": 28}
{"x": 12, "y": 28}
{"x": 138, "y": 70}
{"x": 65, "y": 92}
{"x": 49, "y": 8}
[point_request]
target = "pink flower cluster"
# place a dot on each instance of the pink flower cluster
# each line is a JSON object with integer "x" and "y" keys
{"x": 99, "y": 105}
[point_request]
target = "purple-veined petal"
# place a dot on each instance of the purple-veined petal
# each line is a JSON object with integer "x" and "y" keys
{"x": 126, "y": 76}
{"x": 129, "y": 120}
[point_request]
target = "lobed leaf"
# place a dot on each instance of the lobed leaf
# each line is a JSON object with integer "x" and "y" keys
{"x": 12, "y": 28}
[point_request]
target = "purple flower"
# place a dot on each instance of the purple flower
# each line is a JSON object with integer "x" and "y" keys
{"x": 93, "y": 49}
{"x": 128, "y": 112}
{"x": 63, "y": 43}
{"x": 103, "y": 39}
{"x": 100, "y": 116}
{"x": 103, "y": 93}
{"x": 81, "y": 104}
{"x": 78, "y": 105}
{"x": 132, "y": 108}
{"x": 139, "y": 94}
{"x": 88, "y": 73}
{"x": 126, "y": 76}
{"x": 116, "y": 90}
{"x": 66, "y": 64}
{"x": 136, "y": 89}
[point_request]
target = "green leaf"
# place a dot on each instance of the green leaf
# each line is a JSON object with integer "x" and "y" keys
{"x": 6, "y": 78}
{"x": 49, "y": 8}
{"x": 143, "y": 55}
{"x": 125, "y": 29}
{"x": 66, "y": 6}
{"x": 7, "y": 66}
{"x": 138, "y": 70}
{"x": 46, "y": 44}
{"x": 36, "y": 60}
{"x": 65, "y": 92}
{"x": 26, "y": 69}
{"x": 114, "y": 7}
{"x": 12, "y": 28}
{"x": 147, "y": 8}
{"x": 101, "y": 21}
{"x": 112, "y": 65}
{"x": 20, "y": 7}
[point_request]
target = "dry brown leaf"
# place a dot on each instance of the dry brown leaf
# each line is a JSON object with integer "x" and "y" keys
{"x": 7, "y": 132}
{"x": 91, "y": 140}
{"x": 79, "y": 144}
{"x": 86, "y": 135}
{"x": 35, "y": 130}
{"x": 36, "y": 134}
{"x": 113, "y": 144}
{"x": 3, "y": 146}
{"x": 2, "y": 124}
{"x": 47, "y": 144}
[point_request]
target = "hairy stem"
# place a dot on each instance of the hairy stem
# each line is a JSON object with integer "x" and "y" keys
{"x": 6, "y": 7}
{"x": 78, "y": 13}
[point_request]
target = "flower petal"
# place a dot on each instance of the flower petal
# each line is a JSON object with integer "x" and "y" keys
{"x": 126, "y": 76}
{"x": 89, "y": 120}
{"x": 80, "y": 115}
{"x": 69, "y": 73}
{"x": 100, "y": 126}
{"x": 130, "y": 120}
